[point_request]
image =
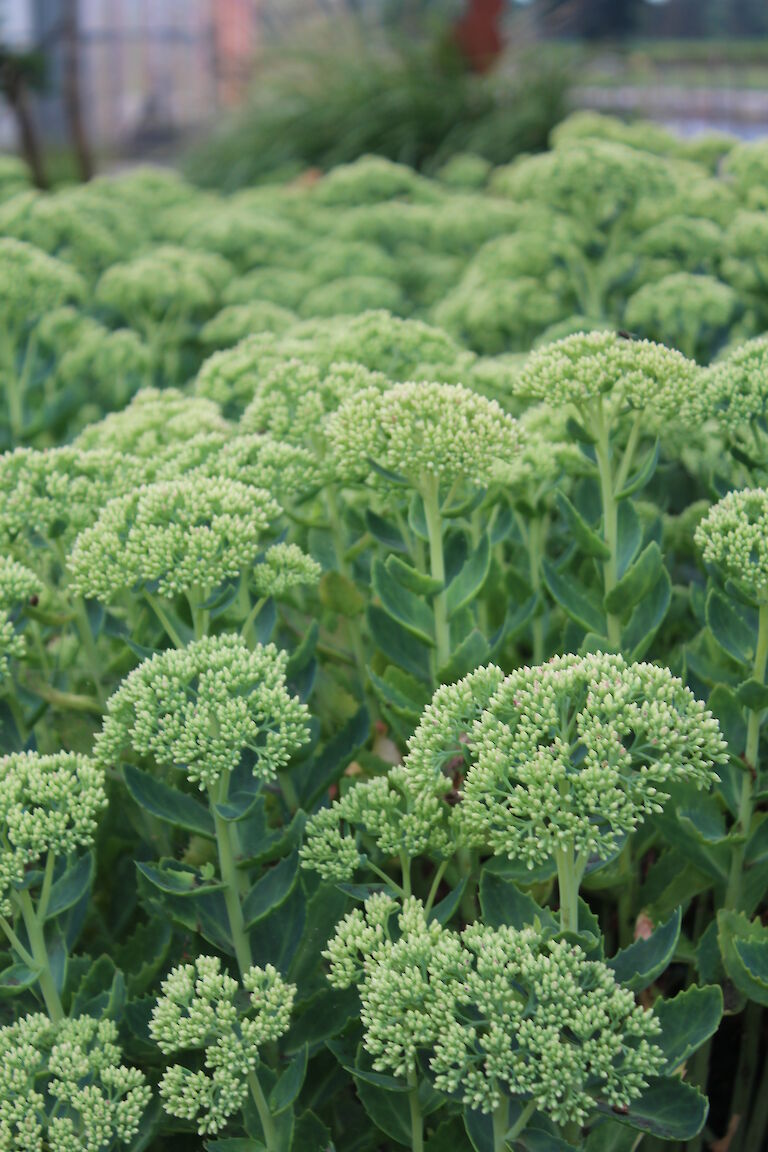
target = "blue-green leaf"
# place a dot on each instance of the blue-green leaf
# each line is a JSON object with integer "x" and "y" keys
{"x": 271, "y": 890}
{"x": 406, "y": 607}
{"x": 289, "y": 1084}
{"x": 687, "y": 1021}
{"x": 168, "y": 804}
{"x": 467, "y": 584}
{"x": 575, "y": 600}
{"x": 729, "y": 628}
{"x": 589, "y": 541}
{"x": 639, "y": 964}
{"x": 71, "y": 886}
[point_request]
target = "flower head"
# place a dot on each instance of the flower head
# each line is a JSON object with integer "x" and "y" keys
{"x": 206, "y": 710}
{"x": 167, "y": 278}
{"x": 63, "y": 1088}
{"x": 54, "y": 493}
{"x": 174, "y": 535}
{"x": 294, "y": 400}
{"x": 32, "y": 283}
{"x": 734, "y": 537}
{"x": 422, "y": 431}
{"x": 47, "y": 804}
{"x": 588, "y": 365}
{"x": 154, "y": 424}
{"x": 403, "y": 967}
{"x": 17, "y": 586}
{"x": 736, "y": 387}
{"x": 577, "y": 752}
{"x": 409, "y": 808}
{"x": 203, "y": 1008}
{"x": 534, "y": 1018}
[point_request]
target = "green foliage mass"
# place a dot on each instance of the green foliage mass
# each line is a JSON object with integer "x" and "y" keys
{"x": 384, "y": 655}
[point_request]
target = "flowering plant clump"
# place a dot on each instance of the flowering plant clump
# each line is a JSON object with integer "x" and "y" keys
{"x": 384, "y": 655}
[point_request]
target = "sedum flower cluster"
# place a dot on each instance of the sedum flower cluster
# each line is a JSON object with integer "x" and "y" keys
{"x": 53, "y": 494}
{"x": 48, "y": 804}
{"x": 497, "y": 1012}
{"x": 154, "y": 424}
{"x": 574, "y": 753}
{"x": 204, "y": 1009}
{"x": 174, "y": 536}
{"x": 17, "y": 587}
{"x": 63, "y": 1088}
{"x": 406, "y": 811}
{"x": 205, "y": 709}
{"x": 32, "y": 283}
{"x": 534, "y": 1018}
{"x": 294, "y": 400}
{"x": 418, "y": 431}
{"x": 168, "y": 279}
{"x": 285, "y": 566}
{"x": 588, "y": 365}
{"x": 734, "y": 537}
{"x": 736, "y": 392}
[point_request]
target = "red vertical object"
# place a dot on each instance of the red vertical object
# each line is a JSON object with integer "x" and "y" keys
{"x": 478, "y": 33}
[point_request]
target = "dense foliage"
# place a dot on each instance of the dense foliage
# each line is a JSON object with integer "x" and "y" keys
{"x": 383, "y": 657}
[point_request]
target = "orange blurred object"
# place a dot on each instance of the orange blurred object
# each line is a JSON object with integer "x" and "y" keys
{"x": 479, "y": 35}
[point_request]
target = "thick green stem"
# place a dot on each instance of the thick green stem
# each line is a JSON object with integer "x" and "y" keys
{"x": 568, "y": 879}
{"x": 40, "y": 956}
{"x": 501, "y": 1124}
{"x": 248, "y": 629}
{"x": 225, "y": 843}
{"x": 434, "y": 887}
{"x": 262, "y": 1107}
{"x": 335, "y": 523}
{"x": 164, "y": 619}
{"x": 417, "y": 1123}
{"x": 522, "y": 1120}
{"x": 89, "y": 648}
{"x": 430, "y": 496}
{"x": 535, "y": 550}
{"x": 610, "y": 516}
{"x": 751, "y": 756}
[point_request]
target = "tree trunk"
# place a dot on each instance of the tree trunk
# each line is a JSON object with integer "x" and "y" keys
{"x": 16, "y": 95}
{"x": 71, "y": 91}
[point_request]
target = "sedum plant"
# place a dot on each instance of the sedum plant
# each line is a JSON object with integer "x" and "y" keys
{"x": 620, "y": 391}
{"x": 383, "y": 695}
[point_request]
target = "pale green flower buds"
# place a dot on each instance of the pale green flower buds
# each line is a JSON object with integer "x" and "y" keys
{"x": 202, "y": 709}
